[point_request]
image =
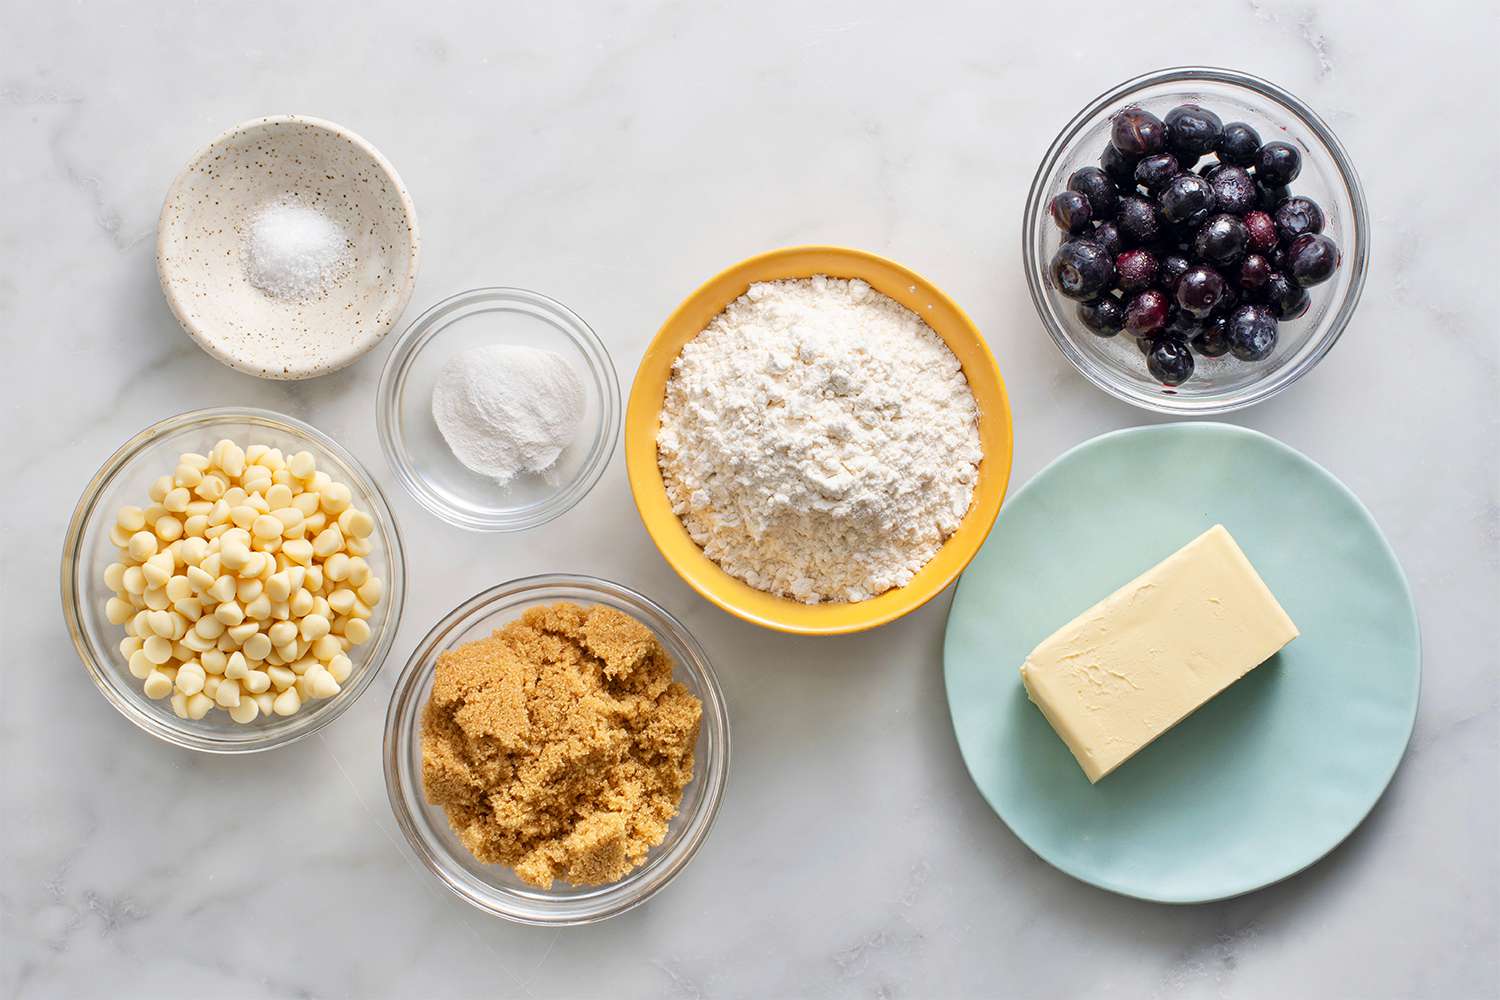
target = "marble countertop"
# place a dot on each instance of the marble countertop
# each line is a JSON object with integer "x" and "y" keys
{"x": 614, "y": 158}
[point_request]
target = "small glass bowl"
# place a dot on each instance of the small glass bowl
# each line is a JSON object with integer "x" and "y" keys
{"x": 124, "y": 480}
{"x": 1218, "y": 385}
{"x": 415, "y": 447}
{"x": 495, "y": 888}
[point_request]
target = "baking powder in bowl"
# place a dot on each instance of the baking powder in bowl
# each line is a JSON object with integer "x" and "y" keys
{"x": 818, "y": 440}
{"x": 506, "y": 410}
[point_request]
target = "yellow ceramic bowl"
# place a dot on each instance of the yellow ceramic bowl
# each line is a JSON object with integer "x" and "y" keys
{"x": 738, "y": 598}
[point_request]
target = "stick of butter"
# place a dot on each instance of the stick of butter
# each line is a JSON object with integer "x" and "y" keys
{"x": 1144, "y": 658}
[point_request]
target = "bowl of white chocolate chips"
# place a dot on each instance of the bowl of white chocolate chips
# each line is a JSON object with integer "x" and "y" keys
{"x": 232, "y": 579}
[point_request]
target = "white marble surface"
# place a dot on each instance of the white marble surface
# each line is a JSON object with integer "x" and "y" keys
{"x": 614, "y": 159}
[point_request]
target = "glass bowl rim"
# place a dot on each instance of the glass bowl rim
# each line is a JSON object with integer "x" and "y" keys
{"x": 420, "y": 333}
{"x": 1333, "y": 326}
{"x": 607, "y": 901}
{"x": 176, "y": 731}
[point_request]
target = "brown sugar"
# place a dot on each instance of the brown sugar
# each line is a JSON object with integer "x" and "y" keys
{"x": 560, "y": 745}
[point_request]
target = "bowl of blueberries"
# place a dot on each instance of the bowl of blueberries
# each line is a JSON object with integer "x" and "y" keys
{"x": 1196, "y": 239}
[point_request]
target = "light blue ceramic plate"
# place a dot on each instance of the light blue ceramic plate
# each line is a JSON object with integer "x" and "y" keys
{"x": 1263, "y": 780}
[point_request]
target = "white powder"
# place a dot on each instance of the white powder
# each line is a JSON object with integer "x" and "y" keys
{"x": 293, "y": 252}
{"x": 508, "y": 410}
{"x": 818, "y": 440}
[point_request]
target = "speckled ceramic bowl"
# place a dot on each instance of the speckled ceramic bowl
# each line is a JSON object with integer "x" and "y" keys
{"x": 201, "y": 237}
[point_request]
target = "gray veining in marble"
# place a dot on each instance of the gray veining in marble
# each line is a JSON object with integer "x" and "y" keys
{"x": 613, "y": 156}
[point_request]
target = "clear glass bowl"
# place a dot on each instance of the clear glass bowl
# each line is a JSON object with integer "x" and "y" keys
{"x": 495, "y": 888}
{"x": 1217, "y": 385}
{"x": 416, "y": 449}
{"x": 124, "y": 479}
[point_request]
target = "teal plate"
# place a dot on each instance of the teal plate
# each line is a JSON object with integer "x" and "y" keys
{"x": 1265, "y": 779}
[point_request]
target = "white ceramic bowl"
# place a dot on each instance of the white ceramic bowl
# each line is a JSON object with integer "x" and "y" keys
{"x": 200, "y": 246}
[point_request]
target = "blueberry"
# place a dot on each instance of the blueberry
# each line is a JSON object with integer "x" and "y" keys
{"x": 1222, "y": 240}
{"x": 1104, "y": 316}
{"x": 1070, "y": 210}
{"x": 1234, "y": 188}
{"x": 1251, "y": 332}
{"x": 1137, "y": 132}
{"x": 1095, "y": 185}
{"x": 1193, "y": 130}
{"x": 1297, "y": 216}
{"x": 1277, "y": 164}
{"x": 1311, "y": 259}
{"x": 1261, "y": 229}
{"x": 1146, "y": 312}
{"x": 1213, "y": 340}
{"x": 1153, "y": 172}
{"x": 1200, "y": 290}
{"x": 1268, "y": 196}
{"x": 1286, "y": 299}
{"x": 1182, "y": 324}
{"x": 1186, "y": 200}
{"x": 1081, "y": 269}
{"x": 1143, "y": 344}
{"x": 1238, "y": 144}
{"x": 1119, "y": 168}
{"x": 1138, "y": 221}
{"x": 1253, "y": 274}
{"x": 1107, "y": 235}
{"x": 1135, "y": 269}
{"x": 1169, "y": 361}
{"x": 1173, "y": 267}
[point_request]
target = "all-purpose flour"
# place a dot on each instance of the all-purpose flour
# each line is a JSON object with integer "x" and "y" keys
{"x": 818, "y": 440}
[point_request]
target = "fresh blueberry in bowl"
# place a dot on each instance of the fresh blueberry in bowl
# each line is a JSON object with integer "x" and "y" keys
{"x": 1200, "y": 290}
{"x": 1137, "y": 132}
{"x": 1136, "y": 269}
{"x": 1260, "y": 228}
{"x": 1169, "y": 361}
{"x": 1221, "y": 240}
{"x": 1154, "y": 171}
{"x": 1094, "y": 184}
{"x": 1311, "y": 259}
{"x": 1186, "y": 200}
{"x": 1234, "y": 188}
{"x": 1251, "y": 332}
{"x": 1268, "y": 196}
{"x": 1138, "y": 220}
{"x": 1254, "y": 273}
{"x": 1081, "y": 269}
{"x": 1238, "y": 144}
{"x": 1286, "y": 299}
{"x": 1173, "y": 267}
{"x": 1104, "y": 316}
{"x": 1296, "y": 216}
{"x": 1118, "y": 167}
{"x": 1071, "y": 212}
{"x": 1146, "y": 312}
{"x": 1277, "y": 164}
{"x": 1107, "y": 235}
{"x": 1192, "y": 130}
{"x": 1213, "y": 340}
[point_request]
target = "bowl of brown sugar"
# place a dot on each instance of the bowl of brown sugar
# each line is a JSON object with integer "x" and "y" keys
{"x": 556, "y": 749}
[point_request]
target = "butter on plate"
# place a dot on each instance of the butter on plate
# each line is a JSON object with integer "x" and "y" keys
{"x": 1144, "y": 658}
